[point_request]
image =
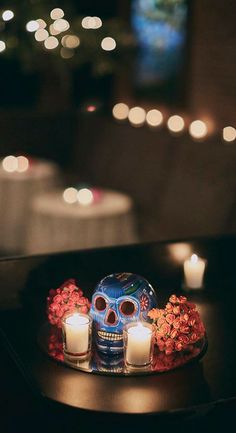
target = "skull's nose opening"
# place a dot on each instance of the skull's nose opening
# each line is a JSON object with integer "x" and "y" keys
{"x": 111, "y": 318}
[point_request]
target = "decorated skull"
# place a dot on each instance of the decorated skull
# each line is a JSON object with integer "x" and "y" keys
{"x": 107, "y": 364}
{"x": 117, "y": 300}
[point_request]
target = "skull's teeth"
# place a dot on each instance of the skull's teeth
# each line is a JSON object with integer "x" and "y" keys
{"x": 110, "y": 336}
{"x": 111, "y": 370}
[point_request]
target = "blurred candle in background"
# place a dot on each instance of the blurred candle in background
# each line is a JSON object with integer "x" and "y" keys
{"x": 22, "y": 164}
{"x": 13, "y": 164}
{"x": 83, "y": 196}
{"x": 194, "y": 269}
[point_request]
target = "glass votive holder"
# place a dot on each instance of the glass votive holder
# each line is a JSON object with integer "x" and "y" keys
{"x": 77, "y": 335}
{"x": 138, "y": 344}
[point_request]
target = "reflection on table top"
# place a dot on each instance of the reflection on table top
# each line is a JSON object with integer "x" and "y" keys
{"x": 202, "y": 383}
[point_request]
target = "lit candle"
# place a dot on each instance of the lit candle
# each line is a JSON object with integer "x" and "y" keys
{"x": 22, "y": 164}
{"x": 83, "y": 196}
{"x": 194, "y": 269}
{"x": 10, "y": 163}
{"x": 138, "y": 343}
{"x": 70, "y": 195}
{"x": 76, "y": 334}
{"x": 13, "y": 164}
{"x": 175, "y": 124}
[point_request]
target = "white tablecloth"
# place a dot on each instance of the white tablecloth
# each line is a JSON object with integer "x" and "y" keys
{"x": 58, "y": 226}
{"x": 17, "y": 191}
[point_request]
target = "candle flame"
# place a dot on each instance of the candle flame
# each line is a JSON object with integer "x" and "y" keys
{"x": 194, "y": 258}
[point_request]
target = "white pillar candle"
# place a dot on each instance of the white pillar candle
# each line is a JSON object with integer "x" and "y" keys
{"x": 76, "y": 333}
{"x": 139, "y": 341}
{"x": 194, "y": 269}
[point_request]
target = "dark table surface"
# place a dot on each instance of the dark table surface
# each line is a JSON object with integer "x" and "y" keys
{"x": 195, "y": 388}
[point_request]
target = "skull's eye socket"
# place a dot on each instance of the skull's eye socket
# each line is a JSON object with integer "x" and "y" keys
{"x": 127, "y": 308}
{"x": 100, "y": 303}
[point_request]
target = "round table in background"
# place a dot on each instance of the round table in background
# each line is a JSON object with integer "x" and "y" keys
{"x": 59, "y": 226}
{"x": 17, "y": 191}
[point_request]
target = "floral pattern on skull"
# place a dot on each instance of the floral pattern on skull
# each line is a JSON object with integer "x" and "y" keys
{"x": 117, "y": 300}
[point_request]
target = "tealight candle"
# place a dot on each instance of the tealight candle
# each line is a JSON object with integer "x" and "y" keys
{"x": 13, "y": 164}
{"x": 76, "y": 334}
{"x": 22, "y": 164}
{"x": 10, "y": 164}
{"x": 85, "y": 196}
{"x": 70, "y": 195}
{"x": 82, "y": 196}
{"x": 138, "y": 343}
{"x": 194, "y": 269}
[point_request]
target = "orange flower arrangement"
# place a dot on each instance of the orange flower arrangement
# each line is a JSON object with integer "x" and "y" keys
{"x": 178, "y": 326}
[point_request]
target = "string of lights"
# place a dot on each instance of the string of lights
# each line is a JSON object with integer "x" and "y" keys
{"x": 54, "y": 33}
{"x": 154, "y": 118}
{"x": 51, "y": 32}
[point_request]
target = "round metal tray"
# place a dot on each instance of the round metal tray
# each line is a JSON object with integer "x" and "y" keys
{"x": 50, "y": 341}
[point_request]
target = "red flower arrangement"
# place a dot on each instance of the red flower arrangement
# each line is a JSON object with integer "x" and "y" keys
{"x": 55, "y": 344}
{"x": 178, "y": 326}
{"x": 65, "y": 299}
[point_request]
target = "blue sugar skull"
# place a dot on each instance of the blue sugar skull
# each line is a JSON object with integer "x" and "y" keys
{"x": 107, "y": 364}
{"x": 117, "y": 300}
